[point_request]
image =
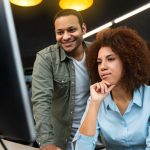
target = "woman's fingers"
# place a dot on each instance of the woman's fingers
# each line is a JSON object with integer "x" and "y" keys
{"x": 103, "y": 87}
{"x": 110, "y": 88}
{"x": 100, "y": 90}
{"x": 98, "y": 87}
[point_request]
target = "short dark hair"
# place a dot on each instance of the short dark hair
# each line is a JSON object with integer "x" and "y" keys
{"x": 132, "y": 50}
{"x": 67, "y": 12}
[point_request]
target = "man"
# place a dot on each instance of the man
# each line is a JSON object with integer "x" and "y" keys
{"x": 60, "y": 85}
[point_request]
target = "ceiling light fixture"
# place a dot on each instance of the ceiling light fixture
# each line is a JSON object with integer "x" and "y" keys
{"x": 75, "y": 4}
{"x": 132, "y": 13}
{"x": 26, "y": 3}
{"x": 117, "y": 20}
{"x": 98, "y": 29}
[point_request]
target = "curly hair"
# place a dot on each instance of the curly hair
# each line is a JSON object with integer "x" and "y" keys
{"x": 132, "y": 50}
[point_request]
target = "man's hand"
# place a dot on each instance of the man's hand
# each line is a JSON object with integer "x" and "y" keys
{"x": 50, "y": 147}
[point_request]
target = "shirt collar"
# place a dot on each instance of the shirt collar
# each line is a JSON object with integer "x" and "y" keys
{"x": 108, "y": 101}
{"x": 137, "y": 99}
{"x": 138, "y": 96}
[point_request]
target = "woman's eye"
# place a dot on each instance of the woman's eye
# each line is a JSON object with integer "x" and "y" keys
{"x": 99, "y": 62}
{"x": 110, "y": 59}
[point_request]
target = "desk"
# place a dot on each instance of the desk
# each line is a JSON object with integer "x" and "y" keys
{"x": 15, "y": 146}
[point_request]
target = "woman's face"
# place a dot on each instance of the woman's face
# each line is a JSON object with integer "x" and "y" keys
{"x": 110, "y": 66}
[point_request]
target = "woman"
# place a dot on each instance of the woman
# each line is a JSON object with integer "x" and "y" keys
{"x": 119, "y": 107}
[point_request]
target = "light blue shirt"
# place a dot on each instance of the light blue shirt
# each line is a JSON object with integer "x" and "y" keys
{"x": 130, "y": 131}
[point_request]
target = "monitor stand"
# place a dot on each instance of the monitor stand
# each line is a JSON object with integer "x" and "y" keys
{"x": 2, "y": 143}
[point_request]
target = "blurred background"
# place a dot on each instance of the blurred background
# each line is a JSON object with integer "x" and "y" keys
{"x": 35, "y": 30}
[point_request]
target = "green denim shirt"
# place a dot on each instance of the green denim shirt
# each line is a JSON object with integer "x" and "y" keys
{"x": 53, "y": 95}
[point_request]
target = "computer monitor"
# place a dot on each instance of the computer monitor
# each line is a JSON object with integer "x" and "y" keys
{"x": 16, "y": 120}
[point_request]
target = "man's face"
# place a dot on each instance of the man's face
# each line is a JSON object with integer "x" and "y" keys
{"x": 69, "y": 33}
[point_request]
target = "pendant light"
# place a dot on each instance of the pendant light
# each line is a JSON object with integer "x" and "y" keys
{"x": 26, "y": 3}
{"x": 75, "y": 4}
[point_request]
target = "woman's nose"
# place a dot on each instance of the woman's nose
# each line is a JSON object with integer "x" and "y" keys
{"x": 103, "y": 66}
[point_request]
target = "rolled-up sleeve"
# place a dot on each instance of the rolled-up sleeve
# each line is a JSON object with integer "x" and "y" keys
{"x": 83, "y": 142}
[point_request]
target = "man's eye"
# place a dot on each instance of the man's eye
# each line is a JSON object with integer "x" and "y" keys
{"x": 72, "y": 30}
{"x": 59, "y": 33}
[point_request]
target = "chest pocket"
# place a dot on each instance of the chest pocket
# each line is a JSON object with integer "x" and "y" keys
{"x": 61, "y": 82}
{"x": 61, "y": 86}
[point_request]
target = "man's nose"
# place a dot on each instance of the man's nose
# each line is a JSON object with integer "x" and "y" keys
{"x": 66, "y": 35}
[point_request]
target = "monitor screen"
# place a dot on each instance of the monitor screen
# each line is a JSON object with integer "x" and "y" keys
{"x": 16, "y": 120}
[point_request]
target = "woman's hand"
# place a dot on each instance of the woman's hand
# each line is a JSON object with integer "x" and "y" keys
{"x": 100, "y": 90}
